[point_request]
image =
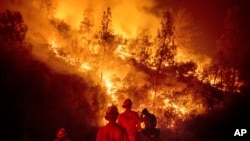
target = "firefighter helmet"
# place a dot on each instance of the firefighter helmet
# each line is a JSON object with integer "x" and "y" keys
{"x": 61, "y": 133}
{"x": 145, "y": 111}
{"x": 111, "y": 113}
{"x": 127, "y": 103}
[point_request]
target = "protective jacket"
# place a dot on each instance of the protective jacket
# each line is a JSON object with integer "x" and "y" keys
{"x": 131, "y": 122}
{"x": 112, "y": 132}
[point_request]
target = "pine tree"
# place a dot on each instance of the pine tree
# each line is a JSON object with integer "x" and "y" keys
{"x": 165, "y": 41}
{"x": 106, "y": 40}
{"x": 86, "y": 26}
{"x": 165, "y": 47}
{"x": 106, "y": 32}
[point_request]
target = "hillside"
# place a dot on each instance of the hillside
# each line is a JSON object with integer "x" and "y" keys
{"x": 36, "y": 101}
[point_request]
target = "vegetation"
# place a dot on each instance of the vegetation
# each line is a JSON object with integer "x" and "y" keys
{"x": 40, "y": 100}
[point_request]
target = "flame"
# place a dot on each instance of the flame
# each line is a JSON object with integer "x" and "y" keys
{"x": 108, "y": 85}
{"x": 54, "y": 47}
{"x": 86, "y": 66}
{"x": 164, "y": 100}
{"x": 111, "y": 88}
{"x": 128, "y": 18}
{"x": 122, "y": 53}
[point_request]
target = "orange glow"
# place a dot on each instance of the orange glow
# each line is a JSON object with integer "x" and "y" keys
{"x": 111, "y": 67}
{"x": 121, "y": 53}
{"x": 86, "y": 66}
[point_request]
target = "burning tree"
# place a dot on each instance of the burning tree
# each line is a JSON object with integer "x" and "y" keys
{"x": 141, "y": 47}
{"x": 106, "y": 32}
{"x": 106, "y": 39}
{"x": 165, "y": 49}
{"x": 144, "y": 69}
{"x": 46, "y": 6}
{"x": 165, "y": 43}
{"x": 86, "y": 28}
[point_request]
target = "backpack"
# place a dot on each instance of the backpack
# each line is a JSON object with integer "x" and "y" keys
{"x": 153, "y": 120}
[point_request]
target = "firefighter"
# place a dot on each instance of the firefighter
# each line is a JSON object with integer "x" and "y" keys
{"x": 149, "y": 120}
{"x": 62, "y": 135}
{"x": 112, "y": 131}
{"x": 130, "y": 120}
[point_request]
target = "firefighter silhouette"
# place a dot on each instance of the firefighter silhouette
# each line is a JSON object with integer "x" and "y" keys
{"x": 112, "y": 131}
{"x": 130, "y": 120}
{"x": 62, "y": 135}
{"x": 150, "y": 122}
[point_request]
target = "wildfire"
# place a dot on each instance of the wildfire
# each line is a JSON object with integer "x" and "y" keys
{"x": 202, "y": 61}
{"x": 122, "y": 53}
{"x": 176, "y": 108}
{"x": 111, "y": 88}
{"x": 108, "y": 85}
{"x": 118, "y": 82}
{"x": 86, "y": 66}
{"x": 181, "y": 107}
{"x": 54, "y": 47}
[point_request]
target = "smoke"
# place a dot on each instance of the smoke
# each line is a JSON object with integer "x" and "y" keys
{"x": 117, "y": 78}
{"x": 113, "y": 78}
{"x": 128, "y": 16}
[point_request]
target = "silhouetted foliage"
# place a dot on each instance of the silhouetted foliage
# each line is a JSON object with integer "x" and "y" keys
{"x": 231, "y": 48}
{"x": 86, "y": 28}
{"x": 12, "y": 27}
{"x": 106, "y": 29}
{"x": 48, "y": 6}
{"x": 62, "y": 27}
{"x": 141, "y": 47}
{"x": 186, "y": 69}
{"x": 40, "y": 100}
{"x": 165, "y": 42}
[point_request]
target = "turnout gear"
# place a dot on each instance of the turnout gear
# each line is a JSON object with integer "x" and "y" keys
{"x": 148, "y": 119}
{"x": 111, "y": 113}
{"x": 112, "y": 131}
{"x": 150, "y": 132}
{"x": 130, "y": 120}
{"x": 127, "y": 103}
{"x": 62, "y": 135}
